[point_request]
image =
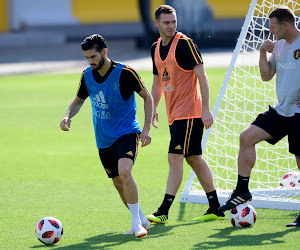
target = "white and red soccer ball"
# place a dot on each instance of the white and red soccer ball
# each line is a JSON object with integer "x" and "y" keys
{"x": 49, "y": 230}
{"x": 291, "y": 179}
{"x": 243, "y": 215}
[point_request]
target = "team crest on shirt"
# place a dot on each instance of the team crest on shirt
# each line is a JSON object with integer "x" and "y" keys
{"x": 297, "y": 54}
{"x": 165, "y": 76}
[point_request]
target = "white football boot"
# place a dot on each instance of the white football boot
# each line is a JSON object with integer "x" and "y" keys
{"x": 145, "y": 225}
{"x": 139, "y": 230}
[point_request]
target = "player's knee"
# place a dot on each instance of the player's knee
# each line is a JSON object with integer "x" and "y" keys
{"x": 245, "y": 138}
{"x": 124, "y": 172}
{"x": 118, "y": 184}
{"x": 175, "y": 159}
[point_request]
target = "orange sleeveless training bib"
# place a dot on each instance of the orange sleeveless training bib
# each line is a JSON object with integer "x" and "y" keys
{"x": 180, "y": 87}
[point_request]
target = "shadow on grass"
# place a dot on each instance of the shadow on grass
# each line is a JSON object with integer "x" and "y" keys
{"x": 201, "y": 209}
{"x": 218, "y": 239}
{"x": 101, "y": 241}
{"x": 110, "y": 240}
{"x": 225, "y": 239}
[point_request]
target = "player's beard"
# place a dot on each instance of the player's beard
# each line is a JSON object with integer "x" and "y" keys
{"x": 170, "y": 33}
{"x": 100, "y": 64}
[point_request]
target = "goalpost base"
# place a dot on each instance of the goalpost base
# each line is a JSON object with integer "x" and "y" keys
{"x": 257, "y": 202}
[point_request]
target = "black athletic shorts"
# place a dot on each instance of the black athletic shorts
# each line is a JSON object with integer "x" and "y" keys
{"x": 279, "y": 126}
{"x": 125, "y": 147}
{"x": 186, "y": 137}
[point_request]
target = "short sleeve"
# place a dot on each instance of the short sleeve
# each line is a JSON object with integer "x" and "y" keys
{"x": 82, "y": 91}
{"x": 272, "y": 59}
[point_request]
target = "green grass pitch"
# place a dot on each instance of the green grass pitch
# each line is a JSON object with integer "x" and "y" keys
{"x": 47, "y": 172}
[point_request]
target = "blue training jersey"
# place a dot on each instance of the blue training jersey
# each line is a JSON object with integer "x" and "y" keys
{"x": 112, "y": 116}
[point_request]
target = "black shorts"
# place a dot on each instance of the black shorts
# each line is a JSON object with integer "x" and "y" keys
{"x": 279, "y": 126}
{"x": 186, "y": 137}
{"x": 125, "y": 147}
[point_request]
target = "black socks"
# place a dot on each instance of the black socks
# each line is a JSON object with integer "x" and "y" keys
{"x": 213, "y": 201}
{"x": 242, "y": 185}
{"x": 166, "y": 204}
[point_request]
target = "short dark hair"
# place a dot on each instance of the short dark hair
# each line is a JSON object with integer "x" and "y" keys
{"x": 283, "y": 14}
{"x": 167, "y": 9}
{"x": 94, "y": 42}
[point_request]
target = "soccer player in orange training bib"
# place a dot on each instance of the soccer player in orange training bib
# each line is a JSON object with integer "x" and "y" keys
{"x": 111, "y": 86}
{"x": 283, "y": 119}
{"x": 177, "y": 67}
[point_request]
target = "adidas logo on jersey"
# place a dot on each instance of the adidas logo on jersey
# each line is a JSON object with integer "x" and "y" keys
{"x": 129, "y": 153}
{"x": 178, "y": 147}
{"x": 99, "y": 100}
{"x": 165, "y": 76}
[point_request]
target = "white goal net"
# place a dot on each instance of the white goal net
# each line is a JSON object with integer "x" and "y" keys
{"x": 242, "y": 97}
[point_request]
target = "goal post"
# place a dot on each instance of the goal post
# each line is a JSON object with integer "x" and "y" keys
{"x": 242, "y": 97}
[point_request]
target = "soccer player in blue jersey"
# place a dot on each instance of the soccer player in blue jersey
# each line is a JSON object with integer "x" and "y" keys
{"x": 111, "y": 86}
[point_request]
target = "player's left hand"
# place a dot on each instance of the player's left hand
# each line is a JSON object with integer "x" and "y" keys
{"x": 207, "y": 119}
{"x": 145, "y": 137}
{"x": 298, "y": 103}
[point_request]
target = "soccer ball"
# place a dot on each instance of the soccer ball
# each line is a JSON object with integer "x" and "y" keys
{"x": 49, "y": 230}
{"x": 291, "y": 179}
{"x": 243, "y": 215}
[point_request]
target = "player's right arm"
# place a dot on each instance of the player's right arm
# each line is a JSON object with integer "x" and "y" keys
{"x": 72, "y": 111}
{"x": 266, "y": 71}
{"x": 75, "y": 105}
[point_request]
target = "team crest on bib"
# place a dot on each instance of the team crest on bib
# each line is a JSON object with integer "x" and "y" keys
{"x": 297, "y": 54}
{"x": 165, "y": 76}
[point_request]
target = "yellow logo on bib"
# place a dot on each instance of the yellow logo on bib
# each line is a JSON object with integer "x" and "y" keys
{"x": 297, "y": 54}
